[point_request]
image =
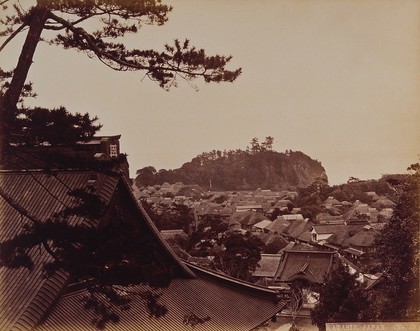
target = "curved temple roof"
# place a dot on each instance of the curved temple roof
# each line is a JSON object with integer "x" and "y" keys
{"x": 27, "y": 297}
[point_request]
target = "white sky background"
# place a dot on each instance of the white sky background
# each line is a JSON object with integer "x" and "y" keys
{"x": 337, "y": 80}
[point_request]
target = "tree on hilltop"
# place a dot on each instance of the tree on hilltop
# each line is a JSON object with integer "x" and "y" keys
{"x": 114, "y": 19}
{"x": 257, "y": 148}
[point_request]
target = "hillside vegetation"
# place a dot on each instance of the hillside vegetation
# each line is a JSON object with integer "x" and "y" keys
{"x": 256, "y": 167}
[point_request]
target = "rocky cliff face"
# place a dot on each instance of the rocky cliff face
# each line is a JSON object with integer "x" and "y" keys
{"x": 240, "y": 171}
{"x": 281, "y": 171}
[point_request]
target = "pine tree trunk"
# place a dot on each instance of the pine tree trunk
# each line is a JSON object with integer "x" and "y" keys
{"x": 9, "y": 101}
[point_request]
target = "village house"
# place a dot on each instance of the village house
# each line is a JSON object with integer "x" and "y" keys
{"x": 296, "y": 229}
{"x": 249, "y": 207}
{"x": 261, "y": 226}
{"x": 321, "y": 233}
{"x": 267, "y": 269}
{"x": 326, "y": 218}
{"x": 283, "y": 205}
{"x": 331, "y": 202}
{"x": 373, "y": 195}
{"x": 277, "y": 226}
{"x": 309, "y": 265}
{"x": 291, "y": 217}
{"x": 306, "y": 269}
{"x": 247, "y": 219}
{"x": 362, "y": 243}
{"x": 383, "y": 203}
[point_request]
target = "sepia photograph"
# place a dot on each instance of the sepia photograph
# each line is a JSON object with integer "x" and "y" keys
{"x": 209, "y": 165}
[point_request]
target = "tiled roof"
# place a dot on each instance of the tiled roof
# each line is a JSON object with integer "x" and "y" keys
{"x": 373, "y": 195}
{"x": 292, "y": 217}
{"x": 331, "y": 201}
{"x": 310, "y": 265}
{"x": 371, "y": 281}
{"x": 326, "y": 218}
{"x": 27, "y": 294}
{"x": 364, "y": 238}
{"x": 343, "y": 233}
{"x": 282, "y": 203}
{"x": 247, "y": 217}
{"x": 306, "y": 236}
{"x": 229, "y": 308}
{"x": 383, "y": 203}
{"x": 263, "y": 224}
{"x": 273, "y": 238}
{"x": 302, "y": 247}
{"x": 339, "y": 238}
{"x": 353, "y": 251}
{"x": 296, "y": 228}
{"x": 268, "y": 265}
{"x": 328, "y": 228}
{"x": 278, "y": 225}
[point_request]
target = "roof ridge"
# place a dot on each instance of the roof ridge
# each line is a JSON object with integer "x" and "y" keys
{"x": 230, "y": 282}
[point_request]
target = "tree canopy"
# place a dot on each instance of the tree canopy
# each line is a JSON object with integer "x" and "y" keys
{"x": 55, "y": 126}
{"x": 399, "y": 242}
{"x": 97, "y": 28}
{"x": 341, "y": 298}
{"x": 397, "y": 299}
{"x": 240, "y": 170}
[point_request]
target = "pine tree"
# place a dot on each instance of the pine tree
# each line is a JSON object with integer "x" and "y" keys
{"x": 116, "y": 18}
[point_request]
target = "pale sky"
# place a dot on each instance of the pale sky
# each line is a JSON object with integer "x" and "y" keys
{"x": 336, "y": 79}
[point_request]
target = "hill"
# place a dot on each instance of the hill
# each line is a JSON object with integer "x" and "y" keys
{"x": 240, "y": 170}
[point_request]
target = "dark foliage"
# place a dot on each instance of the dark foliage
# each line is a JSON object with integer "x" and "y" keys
{"x": 398, "y": 251}
{"x": 56, "y": 126}
{"x": 397, "y": 297}
{"x": 356, "y": 190}
{"x": 275, "y": 245}
{"x": 235, "y": 254}
{"x": 310, "y": 198}
{"x": 170, "y": 217}
{"x": 207, "y": 236}
{"x": 239, "y": 170}
{"x": 50, "y": 158}
{"x": 239, "y": 255}
{"x": 341, "y": 299}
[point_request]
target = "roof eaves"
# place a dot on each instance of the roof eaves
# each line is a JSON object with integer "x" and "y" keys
{"x": 234, "y": 283}
{"x": 155, "y": 231}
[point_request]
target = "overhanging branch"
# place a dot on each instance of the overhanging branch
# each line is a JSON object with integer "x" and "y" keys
{"x": 21, "y": 210}
{"x": 14, "y": 34}
{"x": 120, "y": 64}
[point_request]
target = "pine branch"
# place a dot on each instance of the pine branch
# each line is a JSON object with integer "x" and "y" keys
{"x": 14, "y": 34}
{"x": 21, "y": 210}
{"x": 189, "y": 62}
{"x": 74, "y": 23}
